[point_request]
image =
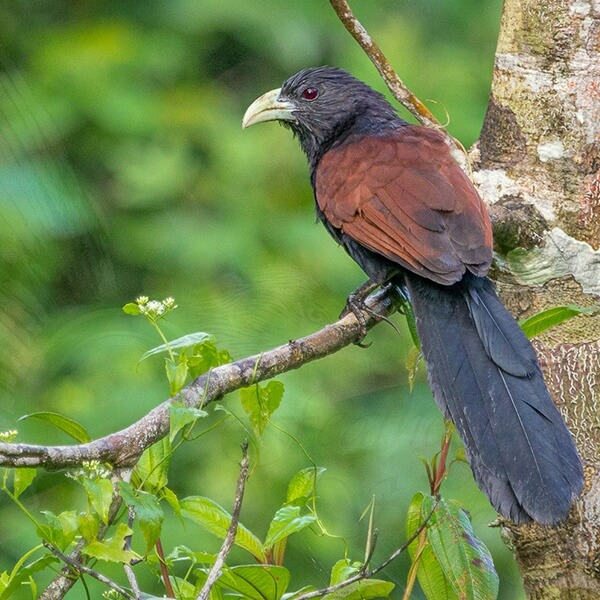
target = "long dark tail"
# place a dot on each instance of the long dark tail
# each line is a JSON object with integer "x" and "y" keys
{"x": 485, "y": 377}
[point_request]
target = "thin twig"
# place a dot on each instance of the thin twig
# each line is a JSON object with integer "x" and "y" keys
{"x": 164, "y": 571}
{"x": 389, "y": 75}
{"x": 126, "y": 567}
{"x": 83, "y": 569}
{"x": 215, "y": 570}
{"x": 396, "y": 86}
{"x": 414, "y": 567}
{"x": 362, "y": 575}
{"x": 124, "y": 447}
{"x": 441, "y": 466}
{"x": 371, "y": 550}
{"x": 372, "y": 534}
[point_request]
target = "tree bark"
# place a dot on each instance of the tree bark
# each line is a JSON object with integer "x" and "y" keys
{"x": 537, "y": 165}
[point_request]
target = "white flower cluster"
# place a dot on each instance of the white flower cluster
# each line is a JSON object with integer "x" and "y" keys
{"x": 90, "y": 469}
{"x": 8, "y": 436}
{"x": 154, "y": 309}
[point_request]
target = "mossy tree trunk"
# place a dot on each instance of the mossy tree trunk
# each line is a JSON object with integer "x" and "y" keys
{"x": 537, "y": 164}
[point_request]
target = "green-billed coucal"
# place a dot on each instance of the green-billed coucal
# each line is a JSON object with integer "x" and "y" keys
{"x": 393, "y": 197}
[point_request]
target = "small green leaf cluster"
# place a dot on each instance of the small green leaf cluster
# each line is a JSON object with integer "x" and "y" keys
{"x": 294, "y": 515}
{"x": 260, "y": 402}
{"x": 105, "y": 532}
{"x": 188, "y": 356}
{"x": 448, "y": 559}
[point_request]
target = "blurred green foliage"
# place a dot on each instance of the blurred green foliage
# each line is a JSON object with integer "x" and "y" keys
{"x": 124, "y": 170}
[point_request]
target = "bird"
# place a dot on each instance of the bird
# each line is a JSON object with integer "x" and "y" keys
{"x": 391, "y": 194}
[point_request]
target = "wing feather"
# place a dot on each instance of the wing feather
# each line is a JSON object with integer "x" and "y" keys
{"x": 403, "y": 196}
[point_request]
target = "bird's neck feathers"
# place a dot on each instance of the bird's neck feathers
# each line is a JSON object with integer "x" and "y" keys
{"x": 369, "y": 120}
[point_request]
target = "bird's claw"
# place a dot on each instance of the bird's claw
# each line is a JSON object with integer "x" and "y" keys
{"x": 355, "y": 304}
{"x": 356, "y": 308}
{"x": 356, "y": 300}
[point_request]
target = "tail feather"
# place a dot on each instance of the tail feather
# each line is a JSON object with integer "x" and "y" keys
{"x": 513, "y": 353}
{"x": 485, "y": 377}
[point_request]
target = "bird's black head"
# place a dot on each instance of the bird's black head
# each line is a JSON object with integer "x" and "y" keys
{"x": 323, "y": 106}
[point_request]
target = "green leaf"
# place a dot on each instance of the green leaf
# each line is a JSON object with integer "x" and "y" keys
{"x": 358, "y": 590}
{"x": 181, "y": 415}
{"x": 88, "y": 524}
{"x": 466, "y": 562}
{"x": 148, "y": 513}
{"x": 150, "y": 473}
{"x": 551, "y": 317}
{"x": 63, "y": 528}
{"x": 363, "y": 590}
{"x": 131, "y": 308}
{"x": 70, "y": 427}
{"x": 461, "y": 455}
{"x": 214, "y": 518}
{"x": 185, "y": 590}
{"x": 100, "y": 495}
{"x": 205, "y": 356}
{"x": 300, "y": 592}
{"x": 176, "y": 374}
{"x": 186, "y": 341}
{"x": 180, "y": 552}
{"x": 342, "y": 570}
{"x": 216, "y": 593}
{"x": 171, "y": 497}
{"x": 302, "y": 485}
{"x": 111, "y": 550}
{"x": 287, "y": 520}
{"x": 260, "y": 402}
{"x": 409, "y": 313}
{"x": 256, "y": 582}
{"x": 431, "y": 577}
{"x": 11, "y": 585}
{"x": 23, "y": 478}
{"x": 413, "y": 360}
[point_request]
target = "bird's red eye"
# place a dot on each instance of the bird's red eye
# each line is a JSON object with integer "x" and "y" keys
{"x": 310, "y": 93}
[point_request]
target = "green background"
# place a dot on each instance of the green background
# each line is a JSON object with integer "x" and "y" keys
{"x": 124, "y": 171}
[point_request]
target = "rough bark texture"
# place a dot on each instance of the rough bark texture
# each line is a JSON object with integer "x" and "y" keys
{"x": 538, "y": 166}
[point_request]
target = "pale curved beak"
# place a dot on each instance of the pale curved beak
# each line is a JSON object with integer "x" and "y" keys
{"x": 269, "y": 107}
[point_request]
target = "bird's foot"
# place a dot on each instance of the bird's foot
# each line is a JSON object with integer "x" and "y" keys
{"x": 355, "y": 304}
{"x": 356, "y": 300}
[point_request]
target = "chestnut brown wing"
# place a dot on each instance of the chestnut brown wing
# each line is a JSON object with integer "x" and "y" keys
{"x": 403, "y": 196}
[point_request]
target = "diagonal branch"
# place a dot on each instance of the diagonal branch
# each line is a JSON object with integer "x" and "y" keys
{"x": 396, "y": 86}
{"x": 124, "y": 447}
{"x": 81, "y": 568}
{"x": 387, "y": 72}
